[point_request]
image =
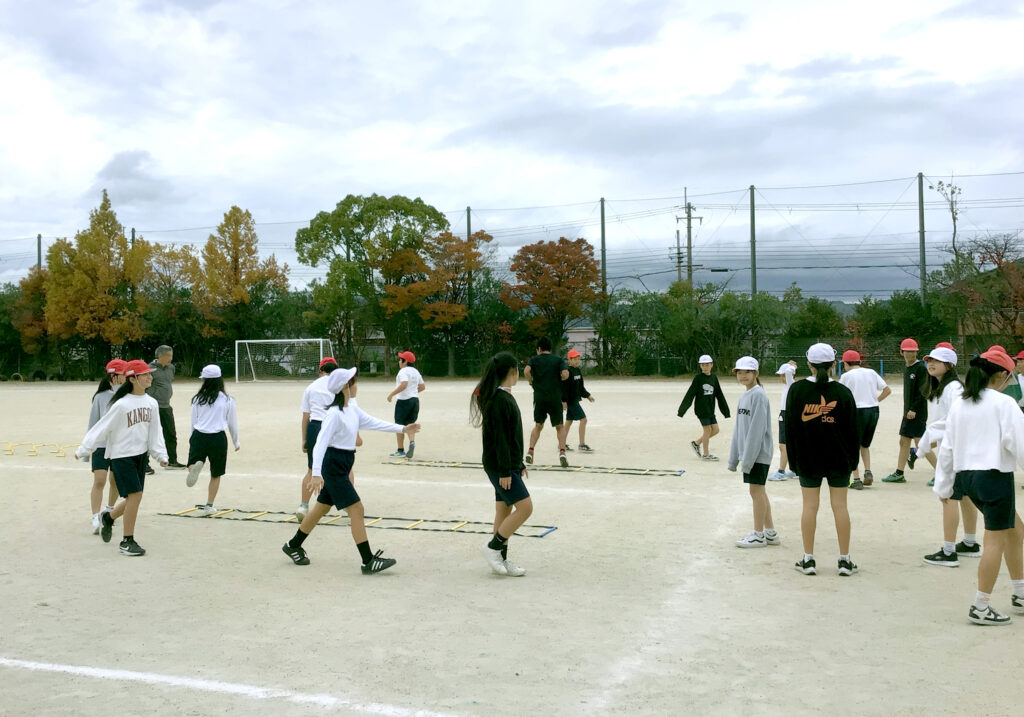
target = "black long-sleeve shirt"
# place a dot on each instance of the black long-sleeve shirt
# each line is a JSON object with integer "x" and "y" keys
{"x": 503, "y": 435}
{"x": 821, "y": 430}
{"x": 703, "y": 393}
{"x": 915, "y": 376}
{"x": 572, "y": 388}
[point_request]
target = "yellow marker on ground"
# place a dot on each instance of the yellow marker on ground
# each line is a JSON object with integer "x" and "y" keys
{"x": 375, "y": 520}
{"x": 413, "y": 525}
{"x": 222, "y": 512}
{"x": 465, "y": 522}
{"x": 186, "y": 511}
{"x": 337, "y": 517}
{"x": 255, "y": 515}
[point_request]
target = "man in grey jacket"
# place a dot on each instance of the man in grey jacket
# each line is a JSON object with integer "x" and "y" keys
{"x": 160, "y": 389}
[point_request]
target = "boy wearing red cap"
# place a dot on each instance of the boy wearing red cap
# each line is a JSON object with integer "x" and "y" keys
{"x": 868, "y": 390}
{"x": 573, "y": 392}
{"x": 408, "y": 385}
{"x": 915, "y": 409}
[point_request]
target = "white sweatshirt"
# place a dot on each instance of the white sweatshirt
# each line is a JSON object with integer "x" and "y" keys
{"x": 316, "y": 399}
{"x": 100, "y": 404}
{"x": 988, "y": 435}
{"x": 216, "y": 417}
{"x": 938, "y": 411}
{"x": 130, "y": 427}
{"x": 340, "y": 428}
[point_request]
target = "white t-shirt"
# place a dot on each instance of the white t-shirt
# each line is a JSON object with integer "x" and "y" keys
{"x": 790, "y": 380}
{"x": 865, "y": 385}
{"x": 411, "y": 375}
{"x": 216, "y": 417}
{"x": 316, "y": 399}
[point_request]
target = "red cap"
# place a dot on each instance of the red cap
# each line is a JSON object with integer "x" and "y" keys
{"x": 407, "y": 356}
{"x": 326, "y": 360}
{"x": 945, "y": 345}
{"x": 997, "y": 347}
{"x": 116, "y": 366}
{"x": 137, "y": 367}
{"x": 574, "y": 354}
{"x": 908, "y": 345}
{"x": 1020, "y": 355}
{"x": 850, "y": 356}
{"x": 999, "y": 358}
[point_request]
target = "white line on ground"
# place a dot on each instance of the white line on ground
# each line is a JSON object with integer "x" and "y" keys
{"x": 228, "y": 688}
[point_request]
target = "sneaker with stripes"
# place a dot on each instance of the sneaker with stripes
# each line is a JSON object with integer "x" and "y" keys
{"x": 377, "y": 563}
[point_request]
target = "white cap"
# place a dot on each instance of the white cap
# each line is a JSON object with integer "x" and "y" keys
{"x": 821, "y": 353}
{"x": 704, "y": 358}
{"x": 210, "y": 371}
{"x": 786, "y": 368}
{"x": 746, "y": 363}
{"x": 339, "y": 378}
{"x": 941, "y": 353}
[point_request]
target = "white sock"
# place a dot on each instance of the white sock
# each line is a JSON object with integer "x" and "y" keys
{"x": 759, "y": 533}
{"x": 769, "y": 531}
{"x": 981, "y": 600}
{"x": 808, "y": 557}
{"x": 948, "y": 547}
{"x": 846, "y": 558}
{"x": 970, "y": 538}
{"x": 1018, "y": 587}
{"x": 108, "y": 508}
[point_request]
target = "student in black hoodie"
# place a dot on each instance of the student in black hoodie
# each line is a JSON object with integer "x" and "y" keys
{"x": 703, "y": 393}
{"x": 573, "y": 392}
{"x": 821, "y": 439}
{"x": 493, "y": 408}
{"x": 915, "y": 409}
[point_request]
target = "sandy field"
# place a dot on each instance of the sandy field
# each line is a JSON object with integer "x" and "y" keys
{"x": 638, "y": 604}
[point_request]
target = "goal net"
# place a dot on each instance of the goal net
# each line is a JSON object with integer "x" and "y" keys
{"x": 275, "y": 359}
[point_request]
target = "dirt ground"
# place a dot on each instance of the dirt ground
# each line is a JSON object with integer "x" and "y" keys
{"x": 639, "y": 603}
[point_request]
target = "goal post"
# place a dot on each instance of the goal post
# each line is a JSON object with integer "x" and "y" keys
{"x": 276, "y": 359}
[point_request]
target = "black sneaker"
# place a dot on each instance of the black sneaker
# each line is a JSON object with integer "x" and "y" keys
{"x": 1018, "y": 604}
{"x": 377, "y": 563}
{"x": 912, "y": 459}
{"x": 175, "y": 466}
{"x": 298, "y": 555}
{"x": 943, "y": 558}
{"x": 107, "y": 526}
{"x": 806, "y": 566}
{"x": 149, "y": 470}
{"x": 857, "y": 484}
{"x": 696, "y": 448}
{"x": 132, "y": 549}
{"x": 869, "y": 478}
{"x": 968, "y": 551}
{"x": 563, "y": 461}
{"x": 529, "y": 458}
{"x": 988, "y": 616}
{"x": 847, "y": 567}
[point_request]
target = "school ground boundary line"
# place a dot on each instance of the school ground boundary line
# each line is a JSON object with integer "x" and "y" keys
{"x": 605, "y": 470}
{"x": 429, "y": 525}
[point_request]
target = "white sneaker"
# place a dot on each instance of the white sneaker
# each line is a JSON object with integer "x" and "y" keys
{"x": 710, "y": 457}
{"x": 96, "y": 524}
{"x": 300, "y": 512}
{"x": 193, "y": 473}
{"x": 777, "y": 475}
{"x": 790, "y": 474}
{"x": 751, "y": 540}
{"x": 205, "y": 510}
{"x": 514, "y": 570}
{"x": 494, "y": 559}
{"x": 772, "y": 538}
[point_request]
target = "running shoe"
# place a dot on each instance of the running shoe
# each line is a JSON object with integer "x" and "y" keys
{"x": 494, "y": 559}
{"x": 132, "y": 549}
{"x": 710, "y": 457}
{"x": 912, "y": 459}
{"x": 528, "y": 460}
{"x": 412, "y": 449}
{"x": 806, "y": 566}
{"x": 790, "y": 474}
{"x": 777, "y": 475}
{"x": 1017, "y": 601}
{"x": 869, "y": 478}
{"x": 772, "y": 538}
{"x": 203, "y": 510}
{"x": 847, "y": 567}
{"x": 96, "y": 524}
{"x": 106, "y": 527}
{"x": 514, "y": 571}
{"x": 857, "y": 484}
{"x": 987, "y": 616}
{"x": 398, "y": 454}
{"x": 584, "y": 447}
{"x": 894, "y": 478}
{"x": 568, "y": 447}
{"x": 300, "y": 512}
{"x": 175, "y": 466}
{"x": 752, "y": 540}
{"x": 931, "y": 482}
{"x": 562, "y": 460}
{"x": 968, "y": 551}
{"x": 696, "y": 448}
{"x": 298, "y": 555}
{"x": 193, "y": 473}
{"x": 149, "y": 470}
{"x": 377, "y": 563}
{"x": 948, "y": 560}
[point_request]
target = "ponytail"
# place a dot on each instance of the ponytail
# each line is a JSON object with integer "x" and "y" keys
{"x": 105, "y": 385}
{"x": 123, "y": 390}
{"x": 978, "y": 377}
{"x": 495, "y": 371}
{"x": 821, "y": 374}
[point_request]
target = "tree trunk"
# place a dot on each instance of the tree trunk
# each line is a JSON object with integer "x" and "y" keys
{"x": 451, "y": 358}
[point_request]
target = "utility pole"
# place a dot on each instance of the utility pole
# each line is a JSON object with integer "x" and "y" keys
{"x": 604, "y": 293}
{"x": 469, "y": 233}
{"x": 753, "y": 247}
{"x": 133, "y": 236}
{"x": 679, "y": 256}
{"x": 39, "y": 251}
{"x": 920, "y": 229}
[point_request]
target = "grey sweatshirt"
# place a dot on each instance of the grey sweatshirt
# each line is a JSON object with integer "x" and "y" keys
{"x": 161, "y": 388}
{"x": 752, "y": 438}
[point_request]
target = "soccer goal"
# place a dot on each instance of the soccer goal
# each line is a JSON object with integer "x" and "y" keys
{"x": 275, "y": 359}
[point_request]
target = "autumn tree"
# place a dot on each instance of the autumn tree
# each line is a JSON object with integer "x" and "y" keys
{"x": 556, "y": 281}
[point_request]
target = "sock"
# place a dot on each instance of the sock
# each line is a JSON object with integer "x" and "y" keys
{"x": 128, "y": 539}
{"x": 769, "y": 531}
{"x": 304, "y": 505}
{"x": 96, "y": 516}
{"x": 948, "y": 547}
{"x": 364, "y": 551}
{"x": 530, "y": 449}
{"x": 504, "y": 552}
{"x": 970, "y": 539}
{"x": 497, "y": 542}
{"x": 1018, "y": 587}
{"x": 299, "y": 539}
{"x": 845, "y": 557}
{"x": 913, "y": 451}
{"x": 209, "y": 505}
{"x": 808, "y": 557}
{"x": 561, "y": 450}
{"x": 759, "y": 533}
{"x": 981, "y": 600}
{"x": 899, "y": 472}
{"x": 107, "y": 509}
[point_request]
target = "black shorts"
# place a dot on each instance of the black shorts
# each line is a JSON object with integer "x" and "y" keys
{"x": 99, "y": 460}
{"x": 544, "y": 410}
{"x": 209, "y": 447}
{"x": 867, "y": 421}
{"x": 574, "y": 412}
{"x": 312, "y": 431}
{"x": 833, "y": 482}
{"x": 338, "y": 489}
{"x": 782, "y": 428}
{"x": 708, "y": 420}
{"x": 407, "y": 410}
{"x": 758, "y": 475}
{"x": 516, "y": 491}
{"x": 913, "y": 429}
{"x": 129, "y": 474}
{"x": 992, "y": 493}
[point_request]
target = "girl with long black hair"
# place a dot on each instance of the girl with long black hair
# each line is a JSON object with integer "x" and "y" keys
{"x": 112, "y": 378}
{"x": 495, "y": 411}
{"x": 213, "y": 412}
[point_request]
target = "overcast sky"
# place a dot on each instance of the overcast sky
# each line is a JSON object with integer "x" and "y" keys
{"x": 182, "y": 109}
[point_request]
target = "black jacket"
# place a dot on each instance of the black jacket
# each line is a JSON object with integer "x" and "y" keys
{"x": 915, "y": 377}
{"x": 572, "y": 388}
{"x": 503, "y": 435}
{"x": 821, "y": 430}
{"x": 702, "y": 394}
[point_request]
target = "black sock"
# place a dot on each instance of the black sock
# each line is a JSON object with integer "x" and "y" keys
{"x": 504, "y": 551}
{"x": 364, "y": 551}
{"x": 899, "y": 473}
{"x": 299, "y": 538}
{"x": 497, "y": 542}
{"x": 128, "y": 538}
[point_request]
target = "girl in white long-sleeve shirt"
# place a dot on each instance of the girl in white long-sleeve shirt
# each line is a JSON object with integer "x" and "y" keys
{"x": 751, "y": 451}
{"x": 984, "y": 441}
{"x": 113, "y": 378}
{"x": 333, "y": 456}
{"x": 130, "y": 429}
{"x": 213, "y": 412}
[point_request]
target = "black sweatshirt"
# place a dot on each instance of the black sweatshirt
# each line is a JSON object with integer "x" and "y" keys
{"x": 915, "y": 377}
{"x": 572, "y": 388}
{"x": 702, "y": 394}
{"x": 503, "y": 435}
{"x": 821, "y": 430}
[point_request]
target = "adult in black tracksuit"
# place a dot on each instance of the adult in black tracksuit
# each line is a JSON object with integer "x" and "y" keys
{"x": 703, "y": 393}
{"x": 494, "y": 409}
{"x": 915, "y": 409}
{"x": 821, "y": 439}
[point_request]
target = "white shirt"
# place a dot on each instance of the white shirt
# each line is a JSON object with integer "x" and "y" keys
{"x": 216, "y": 417}
{"x": 130, "y": 427}
{"x": 316, "y": 399}
{"x": 790, "y": 380}
{"x": 340, "y": 428}
{"x": 982, "y": 436}
{"x": 864, "y": 384}
{"x": 414, "y": 379}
